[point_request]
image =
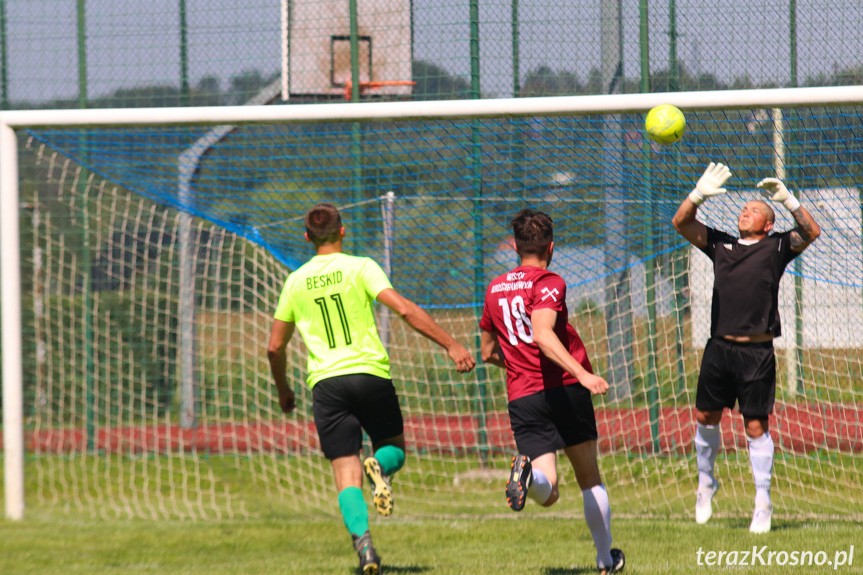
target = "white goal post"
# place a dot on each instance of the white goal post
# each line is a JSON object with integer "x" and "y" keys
{"x": 13, "y": 121}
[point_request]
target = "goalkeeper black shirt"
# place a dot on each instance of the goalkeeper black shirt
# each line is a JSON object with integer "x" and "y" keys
{"x": 746, "y": 283}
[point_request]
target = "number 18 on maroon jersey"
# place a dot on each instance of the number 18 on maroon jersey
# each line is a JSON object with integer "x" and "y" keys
{"x": 509, "y": 302}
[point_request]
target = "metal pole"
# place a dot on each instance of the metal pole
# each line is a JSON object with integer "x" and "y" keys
{"x": 83, "y": 178}
{"x": 187, "y": 260}
{"x": 42, "y": 389}
{"x": 798, "y": 263}
{"x": 357, "y": 192}
{"x": 680, "y": 259}
{"x": 187, "y": 340}
{"x": 188, "y": 166}
{"x": 516, "y": 73}
{"x": 187, "y": 349}
{"x": 355, "y": 52}
{"x": 517, "y": 144}
{"x": 184, "y": 56}
{"x": 791, "y": 355}
{"x": 475, "y": 162}
{"x": 82, "y": 53}
{"x": 388, "y": 217}
{"x": 618, "y": 297}
{"x": 286, "y": 50}
{"x": 650, "y": 263}
{"x": 673, "y": 62}
{"x": 4, "y": 60}
{"x": 792, "y": 31}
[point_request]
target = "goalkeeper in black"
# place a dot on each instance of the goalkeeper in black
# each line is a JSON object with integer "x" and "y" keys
{"x": 739, "y": 364}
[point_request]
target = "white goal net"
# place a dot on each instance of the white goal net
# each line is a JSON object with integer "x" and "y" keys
{"x": 135, "y": 375}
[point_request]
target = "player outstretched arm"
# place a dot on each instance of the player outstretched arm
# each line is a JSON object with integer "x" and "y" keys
{"x": 423, "y": 323}
{"x": 490, "y": 348}
{"x": 709, "y": 184}
{"x": 807, "y": 230}
{"x": 550, "y": 345}
{"x": 280, "y": 335}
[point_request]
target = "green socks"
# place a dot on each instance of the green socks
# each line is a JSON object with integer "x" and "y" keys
{"x": 354, "y": 510}
{"x": 391, "y": 459}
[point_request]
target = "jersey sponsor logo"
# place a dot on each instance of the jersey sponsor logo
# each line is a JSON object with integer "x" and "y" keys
{"x": 512, "y": 286}
{"x": 550, "y": 293}
{"x": 323, "y": 280}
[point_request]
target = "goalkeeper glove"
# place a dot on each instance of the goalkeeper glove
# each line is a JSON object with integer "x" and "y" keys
{"x": 774, "y": 190}
{"x": 710, "y": 183}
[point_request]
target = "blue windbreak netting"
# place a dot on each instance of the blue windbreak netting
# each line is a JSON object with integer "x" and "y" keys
{"x": 457, "y": 183}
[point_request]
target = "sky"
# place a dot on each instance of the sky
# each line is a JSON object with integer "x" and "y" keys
{"x": 133, "y": 43}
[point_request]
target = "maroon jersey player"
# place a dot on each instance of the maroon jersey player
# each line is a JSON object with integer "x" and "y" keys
{"x": 549, "y": 382}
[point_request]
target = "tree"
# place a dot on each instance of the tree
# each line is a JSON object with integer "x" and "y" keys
{"x": 246, "y": 85}
{"x": 545, "y": 82}
{"x": 435, "y": 83}
{"x": 208, "y": 92}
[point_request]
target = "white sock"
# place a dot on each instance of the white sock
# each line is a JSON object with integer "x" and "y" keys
{"x": 597, "y": 513}
{"x": 761, "y": 457}
{"x": 540, "y": 486}
{"x": 706, "y": 448}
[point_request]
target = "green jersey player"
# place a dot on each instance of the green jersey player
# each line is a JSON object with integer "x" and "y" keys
{"x": 330, "y": 300}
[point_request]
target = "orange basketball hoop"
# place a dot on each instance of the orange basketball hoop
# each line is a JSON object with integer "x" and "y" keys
{"x": 374, "y": 85}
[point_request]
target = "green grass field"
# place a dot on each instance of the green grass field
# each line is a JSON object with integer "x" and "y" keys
{"x": 542, "y": 544}
{"x": 437, "y": 529}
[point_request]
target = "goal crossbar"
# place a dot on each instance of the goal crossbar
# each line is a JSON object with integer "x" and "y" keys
{"x": 443, "y": 109}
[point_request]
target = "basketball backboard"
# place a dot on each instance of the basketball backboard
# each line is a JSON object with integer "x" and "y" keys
{"x": 317, "y": 47}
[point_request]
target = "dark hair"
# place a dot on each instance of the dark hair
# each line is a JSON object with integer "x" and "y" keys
{"x": 533, "y": 232}
{"x": 323, "y": 224}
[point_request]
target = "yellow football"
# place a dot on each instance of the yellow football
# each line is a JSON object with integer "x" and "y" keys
{"x": 665, "y": 124}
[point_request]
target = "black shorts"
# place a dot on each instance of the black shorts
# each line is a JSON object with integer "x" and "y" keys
{"x": 344, "y": 405}
{"x": 552, "y": 419}
{"x": 742, "y": 372}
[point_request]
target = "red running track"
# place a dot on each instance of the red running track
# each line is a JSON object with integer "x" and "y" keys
{"x": 796, "y": 429}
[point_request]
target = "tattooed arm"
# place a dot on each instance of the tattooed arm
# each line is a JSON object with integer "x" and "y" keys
{"x": 807, "y": 229}
{"x": 806, "y": 232}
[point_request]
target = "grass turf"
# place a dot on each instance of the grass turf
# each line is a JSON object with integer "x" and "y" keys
{"x": 544, "y": 545}
{"x": 116, "y": 487}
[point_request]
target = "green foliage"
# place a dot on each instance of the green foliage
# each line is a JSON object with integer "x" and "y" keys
{"x": 241, "y": 87}
{"x": 435, "y": 83}
{"x": 133, "y": 351}
{"x": 587, "y": 307}
{"x": 543, "y": 81}
{"x": 246, "y": 85}
{"x": 146, "y": 324}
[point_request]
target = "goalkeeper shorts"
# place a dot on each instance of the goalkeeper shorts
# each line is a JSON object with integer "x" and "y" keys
{"x": 345, "y": 405}
{"x": 552, "y": 419}
{"x": 740, "y": 372}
